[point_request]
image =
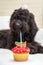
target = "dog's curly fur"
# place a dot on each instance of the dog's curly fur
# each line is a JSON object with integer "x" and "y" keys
{"x": 21, "y": 20}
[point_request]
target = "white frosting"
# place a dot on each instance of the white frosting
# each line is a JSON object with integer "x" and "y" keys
{"x": 24, "y": 7}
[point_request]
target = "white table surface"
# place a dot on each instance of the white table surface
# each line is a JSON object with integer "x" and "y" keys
{"x": 6, "y": 58}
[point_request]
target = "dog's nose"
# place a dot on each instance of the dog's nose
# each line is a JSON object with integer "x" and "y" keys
{"x": 17, "y": 24}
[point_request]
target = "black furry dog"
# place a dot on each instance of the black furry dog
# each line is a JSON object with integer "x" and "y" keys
{"x": 21, "y": 20}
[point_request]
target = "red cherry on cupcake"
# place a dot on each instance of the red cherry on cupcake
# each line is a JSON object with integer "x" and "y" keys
{"x": 17, "y": 46}
{"x": 21, "y": 51}
{"x": 14, "y": 50}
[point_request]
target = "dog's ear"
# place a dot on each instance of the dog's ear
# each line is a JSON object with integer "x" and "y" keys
{"x": 33, "y": 26}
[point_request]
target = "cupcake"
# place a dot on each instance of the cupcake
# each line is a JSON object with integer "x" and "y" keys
{"x": 21, "y": 53}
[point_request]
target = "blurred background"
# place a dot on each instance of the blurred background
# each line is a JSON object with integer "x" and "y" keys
{"x": 35, "y": 6}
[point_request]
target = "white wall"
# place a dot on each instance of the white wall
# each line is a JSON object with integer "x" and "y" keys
{"x": 34, "y": 6}
{"x": 42, "y": 12}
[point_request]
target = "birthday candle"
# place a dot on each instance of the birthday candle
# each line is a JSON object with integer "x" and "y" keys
{"x": 20, "y": 36}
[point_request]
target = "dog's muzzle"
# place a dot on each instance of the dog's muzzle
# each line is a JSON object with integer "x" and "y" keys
{"x": 19, "y": 25}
